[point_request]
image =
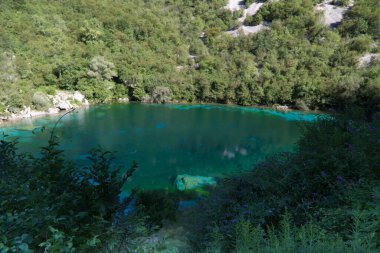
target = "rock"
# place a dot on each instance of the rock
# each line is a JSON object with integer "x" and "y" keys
{"x": 368, "y": 58}
{"x": 63, "y": 105}
{"x": 78, "y": 96}
{"x": 332, "y": 14}
{"x": 53, "y": 110}
{"x": 246, "y": 30}
{"x": 188, "y": 182}
{"x": 283, "y": 108}
{"x": 228, "y": 154}
{"x": 123, "y": 100}
{"x": 37, "y": 113}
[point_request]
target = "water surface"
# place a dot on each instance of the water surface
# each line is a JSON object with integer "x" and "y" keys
{"x": 167, "y": 140}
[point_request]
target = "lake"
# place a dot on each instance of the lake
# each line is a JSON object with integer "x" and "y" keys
{"x": 168, "y": 140}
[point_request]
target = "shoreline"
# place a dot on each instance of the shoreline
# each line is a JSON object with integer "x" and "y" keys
{"x": 40, "y": 114}
{"x": 61, "y": 102}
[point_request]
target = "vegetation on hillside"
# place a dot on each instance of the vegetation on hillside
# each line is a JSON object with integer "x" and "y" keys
{"x": 324, "y": 197}
{"x": 115, "y": 49}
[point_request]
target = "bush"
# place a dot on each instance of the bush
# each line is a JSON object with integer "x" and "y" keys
{"x": 138, "y": 93}
{"x": 328, "y": 182}
{"x": 41, "y": 101}
{"x": 49, "y": 204}
{"x": 158, "y": 206}
{"x": 15, "y": 103}
{"x": 161, "y": 95}
{"x": 95, "y": 90}
{"x": 101, "y": 69}
{"x": 361, "y": 44}
{"x": 2, "y": 108}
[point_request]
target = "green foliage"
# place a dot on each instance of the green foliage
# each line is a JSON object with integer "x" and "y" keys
{"x": 158, "y": 206}
{"x": 41, "y": 101}
{"x": 91, "y": 31}
{"x": 297, "y": 61}
{"x": 326, "y": 190}
{"x": 98, "y": 91}
{"x": 48, "y": 204}
{"x": 138, "y": 93}
{"x": 161, "y": 95}
{"x": 101, "y": 69}
{"x": 289, "y": 239}
{"x": 363, "y": 18}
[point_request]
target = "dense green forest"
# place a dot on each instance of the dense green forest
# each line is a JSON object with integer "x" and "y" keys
{"x": 323, "y": 197}
{"x": 143, "y": 50}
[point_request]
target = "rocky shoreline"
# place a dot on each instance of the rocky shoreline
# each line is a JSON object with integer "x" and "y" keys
{"x": 60, "y": 102}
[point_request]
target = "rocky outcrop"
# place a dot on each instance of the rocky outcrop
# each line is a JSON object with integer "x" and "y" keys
{"x": 61, "y": 101}
{"x": 251, "y": 10}
{"x": 65, "y": 100}
{"x": 332, "y": 14}
{"x": 283, "y": 108}
{"x": 246, "y": 30}
{"x": 123, "y": 100}
{"x": 188, "y": 182}
{"x": 366, "y": 59}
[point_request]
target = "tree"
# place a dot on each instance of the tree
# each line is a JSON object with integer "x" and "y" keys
{"x": 101, "y": 69}
{"x": 138, "y": 92}
{"x": 161, "y": 95}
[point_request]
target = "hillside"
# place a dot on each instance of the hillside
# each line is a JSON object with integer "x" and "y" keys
{"x": 319, "y": 195}
{"x": 140, "y": 50}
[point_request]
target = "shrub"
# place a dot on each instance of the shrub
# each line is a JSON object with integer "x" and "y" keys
{"x": 138, "y": 93}
{"x": 101, "y": 69}
{"x": 161, "y": 95}
{"x": 15, "y": 103}
{"x": 328, "y": 182}
{"x": 49, "y": 203}
{"x": 92, "y": 30}
{"x": 158, "y": 206}
{"x": 41, "y": 101}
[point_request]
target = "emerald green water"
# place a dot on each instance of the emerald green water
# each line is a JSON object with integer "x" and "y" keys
{"x": 167, "y": 140}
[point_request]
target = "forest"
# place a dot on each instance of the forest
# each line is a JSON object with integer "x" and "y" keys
{"x": 110, "y": 49}
{"x": 323, "y": 197}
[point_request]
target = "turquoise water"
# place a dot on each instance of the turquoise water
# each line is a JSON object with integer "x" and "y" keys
{"x": 167, "y": 140}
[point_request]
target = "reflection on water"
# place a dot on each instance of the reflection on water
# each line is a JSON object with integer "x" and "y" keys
{"x": 167, "y": 140}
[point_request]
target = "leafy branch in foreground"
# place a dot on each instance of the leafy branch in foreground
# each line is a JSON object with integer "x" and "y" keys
{"x": 49, "y": 203}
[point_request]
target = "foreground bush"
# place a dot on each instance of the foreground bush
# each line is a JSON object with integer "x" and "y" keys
{"x": 330, "y": 184}
{"x": 49, "y": 204}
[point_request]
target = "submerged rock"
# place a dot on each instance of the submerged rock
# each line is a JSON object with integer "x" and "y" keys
{"x": 188, "y": 182}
